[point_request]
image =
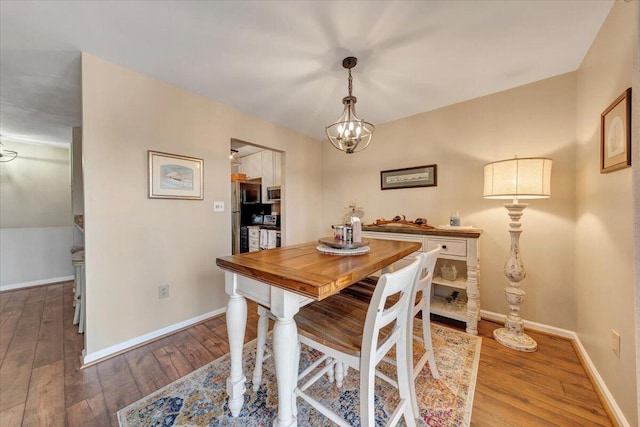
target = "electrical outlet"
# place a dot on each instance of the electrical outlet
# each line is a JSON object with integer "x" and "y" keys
{"x": 218, "y": 206}
{"x": 615, "y": 342}
{"x": 163, "y": 291}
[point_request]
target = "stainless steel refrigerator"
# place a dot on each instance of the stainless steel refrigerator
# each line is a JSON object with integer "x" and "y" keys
{"x": 245, "y": 201}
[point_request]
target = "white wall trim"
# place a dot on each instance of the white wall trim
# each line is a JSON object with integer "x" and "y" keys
{"x": 565, "y": 333}
{"x": 97, "y": 356}
{"x": 35, "y": 283}
{"x": 615, "y": 409}
{"x": 496, "y": 317}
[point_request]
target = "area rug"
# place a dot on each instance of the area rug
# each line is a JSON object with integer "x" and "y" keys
{"x": 200, "y": 398}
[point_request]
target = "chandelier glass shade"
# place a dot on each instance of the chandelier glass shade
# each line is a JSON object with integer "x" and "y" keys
{"x": 350, "y": 133}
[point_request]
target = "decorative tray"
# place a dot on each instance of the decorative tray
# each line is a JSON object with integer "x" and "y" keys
{"x": 342, "y": 244}
{"x": 400, "y": 221}
{"x": 336, "y": 251}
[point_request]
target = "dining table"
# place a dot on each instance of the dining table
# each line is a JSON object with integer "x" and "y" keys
{"x": 283, "y": 280}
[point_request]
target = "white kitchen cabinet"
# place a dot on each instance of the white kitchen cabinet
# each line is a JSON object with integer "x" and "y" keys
{"x": 267, "y": 173}
{"x": 254, "y": 238}
{"x": 251, "y": 165}
{"x": 271, "y": 171}
{"x": 266, "y": 165}
{"x": 459, "y": 252}
{"x": 268, "y": 239}
{"x": 277, "y": 168}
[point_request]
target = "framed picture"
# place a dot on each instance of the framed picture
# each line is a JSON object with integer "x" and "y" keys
{"x": 615, "y": 134}
{"x": 419, "y": 176}
{"x": 175, "y": 177}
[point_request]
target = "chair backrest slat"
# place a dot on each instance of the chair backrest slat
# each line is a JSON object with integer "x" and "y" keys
{"x": 401, "y": 281}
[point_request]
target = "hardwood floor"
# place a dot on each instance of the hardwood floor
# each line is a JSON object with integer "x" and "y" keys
{"x": 41, "y": 382}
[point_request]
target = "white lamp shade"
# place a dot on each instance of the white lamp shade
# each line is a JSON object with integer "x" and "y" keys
{"x": 526, "y": 178}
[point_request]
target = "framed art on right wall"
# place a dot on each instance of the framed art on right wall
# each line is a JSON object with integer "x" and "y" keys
{"x": 615, "y": 134}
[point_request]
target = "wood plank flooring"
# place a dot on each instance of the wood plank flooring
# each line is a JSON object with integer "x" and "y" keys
{"x": 41, "y": 383}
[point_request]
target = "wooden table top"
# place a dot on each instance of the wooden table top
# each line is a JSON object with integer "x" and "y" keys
{"x": 304, "y": 270}
{"x": 452, "y": 232}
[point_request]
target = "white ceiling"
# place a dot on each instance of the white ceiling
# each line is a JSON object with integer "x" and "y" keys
{"x": 282, "y": 60}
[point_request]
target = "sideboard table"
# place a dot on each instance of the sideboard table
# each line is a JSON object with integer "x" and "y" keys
{"x": 459, "y": 253}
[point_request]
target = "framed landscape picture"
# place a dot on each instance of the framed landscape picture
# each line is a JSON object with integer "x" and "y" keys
{"x": 418, "y": 176}
{"x": 172, "y": 176}
{"x": 615, "y": 134}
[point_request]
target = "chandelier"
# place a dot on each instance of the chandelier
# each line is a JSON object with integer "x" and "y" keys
{"x": 350, "y": 133}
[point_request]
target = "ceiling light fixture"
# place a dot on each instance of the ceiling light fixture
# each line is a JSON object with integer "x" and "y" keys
{"x": 235, "y": 160}
{"x": 7, "y": 155}
{"x": 350, "y": 133}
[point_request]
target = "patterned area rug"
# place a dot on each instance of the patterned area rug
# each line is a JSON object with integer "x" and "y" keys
{"x": 200, "y": 398}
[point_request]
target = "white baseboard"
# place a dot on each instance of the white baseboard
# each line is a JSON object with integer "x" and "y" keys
{"x": 35, "y": 283}
{"x": 552, "y": 330}
{"x": 96, "y": 356}
{"x": 565, "y": 333}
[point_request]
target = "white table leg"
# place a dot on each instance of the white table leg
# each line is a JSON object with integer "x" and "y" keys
{"x": 236, "y": 325}
{"x": 284, "y": 305}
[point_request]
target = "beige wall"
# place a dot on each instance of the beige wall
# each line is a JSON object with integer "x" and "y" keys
{"x": 35, "y": 216}
{"x": 35, "y": 187}
{"x": 604, "y": 243}
{"x": 577, "y": 246}
{"x": 533, "y": 120}
{"x": 134, "y": 244}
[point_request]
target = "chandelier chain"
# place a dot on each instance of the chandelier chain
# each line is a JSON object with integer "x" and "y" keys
{"x": 350, "y": 82}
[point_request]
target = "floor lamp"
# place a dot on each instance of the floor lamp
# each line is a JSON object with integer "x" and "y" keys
{"x": 525, "y": 178}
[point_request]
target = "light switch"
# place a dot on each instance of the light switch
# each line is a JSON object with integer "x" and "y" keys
{"x": 218, "y": 206}
{"x": 615, "y": 342}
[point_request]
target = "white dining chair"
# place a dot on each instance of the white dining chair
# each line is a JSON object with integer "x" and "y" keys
{"x": 364, "y": 289}
{"x": 264, "y": 352}
{"x": 352, "y": 333}
{"x": 422, "y": 306}
{"x": 73, "y": 250}
{"x": 77, "y": 260}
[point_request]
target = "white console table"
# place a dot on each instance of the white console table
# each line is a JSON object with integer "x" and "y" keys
{"x": 459, "y": 249}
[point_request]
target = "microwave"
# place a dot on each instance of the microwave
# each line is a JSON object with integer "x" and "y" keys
{"x": 273, "y": 194}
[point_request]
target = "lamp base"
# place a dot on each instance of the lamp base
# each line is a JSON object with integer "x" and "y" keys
{"x": 515, "y": 340}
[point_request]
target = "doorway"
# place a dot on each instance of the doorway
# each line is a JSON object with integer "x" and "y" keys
{"x": 256, "y": 223}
